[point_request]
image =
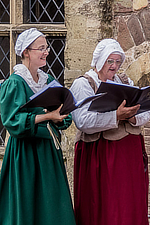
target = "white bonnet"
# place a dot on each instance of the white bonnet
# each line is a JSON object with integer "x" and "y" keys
{"x": 102, "y": 51}
{"x": 25, "y": 39}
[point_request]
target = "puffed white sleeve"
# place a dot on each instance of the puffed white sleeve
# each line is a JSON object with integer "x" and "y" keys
{"x": 142, "y": 118}
{"x": 88, "y": 121}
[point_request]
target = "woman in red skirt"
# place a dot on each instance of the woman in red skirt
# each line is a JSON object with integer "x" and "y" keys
{"x": 110, "y": 176}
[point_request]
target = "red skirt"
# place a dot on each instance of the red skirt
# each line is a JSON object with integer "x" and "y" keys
{"x": 110, "y": 185}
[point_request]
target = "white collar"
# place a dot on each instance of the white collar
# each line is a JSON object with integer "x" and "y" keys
{"x": 23, "y": 71}
{"x": 94, "y": 75}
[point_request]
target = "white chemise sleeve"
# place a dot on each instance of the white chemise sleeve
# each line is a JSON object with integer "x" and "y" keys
{"x": 88, "y": 121}
{"x": 142, "y": 118}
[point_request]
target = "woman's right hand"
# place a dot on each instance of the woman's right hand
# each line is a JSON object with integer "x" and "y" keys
{"x": 53, "y": 115}
{"x": 123, "y": 113}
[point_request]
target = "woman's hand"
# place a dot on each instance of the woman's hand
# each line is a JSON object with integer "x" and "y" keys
{"x": 54, "y": 116}
{"x": 126, "y": 112}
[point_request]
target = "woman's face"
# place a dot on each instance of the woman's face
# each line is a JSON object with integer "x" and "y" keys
{"x": 38, "y": 52}
{"x": 110, "y": 67}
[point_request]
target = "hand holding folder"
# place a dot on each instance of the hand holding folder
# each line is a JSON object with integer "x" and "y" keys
{"x": 116, "y": 93}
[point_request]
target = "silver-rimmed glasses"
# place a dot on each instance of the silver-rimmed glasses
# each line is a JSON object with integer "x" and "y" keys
{"x": 112, "y": 61}
{"x": 41, "y": 49}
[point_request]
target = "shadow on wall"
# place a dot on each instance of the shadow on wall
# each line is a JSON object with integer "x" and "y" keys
{"x": 144, "y": 80}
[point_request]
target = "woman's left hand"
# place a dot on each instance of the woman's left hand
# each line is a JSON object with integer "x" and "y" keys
{"x": 55, "y": 115}
{"x": 124, "y": 112}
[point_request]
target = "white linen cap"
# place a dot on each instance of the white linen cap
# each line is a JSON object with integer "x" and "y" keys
{"x": 102, "y": 51}
{"x": 25, "y": 39}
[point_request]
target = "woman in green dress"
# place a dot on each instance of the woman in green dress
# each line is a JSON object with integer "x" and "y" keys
{"x": 33, "y": 183}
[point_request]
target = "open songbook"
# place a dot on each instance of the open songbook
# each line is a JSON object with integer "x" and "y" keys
{"x": 116, "y": 93}
{"x": 54, "y": 94}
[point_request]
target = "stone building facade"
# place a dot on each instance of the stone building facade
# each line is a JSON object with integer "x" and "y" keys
{"x": 86, "y": 23}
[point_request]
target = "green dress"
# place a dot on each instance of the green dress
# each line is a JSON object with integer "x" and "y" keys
{"x": 33, "y": 182}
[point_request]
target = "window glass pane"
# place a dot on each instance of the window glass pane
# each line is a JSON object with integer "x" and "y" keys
{"x": 4, "y": 11}
{"x": 41, "y": 11}
{"x": 4, "y": 74}
{"x": 55, "y": 59}
{"x": 4, "y": 57}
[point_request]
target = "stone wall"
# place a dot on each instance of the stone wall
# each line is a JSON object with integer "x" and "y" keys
{"x": 89, "y": 21}
{"x": 83, "y": 31}
{"x": 83, "y": 22}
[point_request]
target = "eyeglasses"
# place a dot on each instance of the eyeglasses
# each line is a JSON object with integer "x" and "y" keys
{"x": 112, "y": 61}
{"x": 41, "y": 49}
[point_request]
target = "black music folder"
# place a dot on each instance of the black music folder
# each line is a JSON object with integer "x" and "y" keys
{"x": 53, "y": 95}
{"x": 116, "y": 93}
